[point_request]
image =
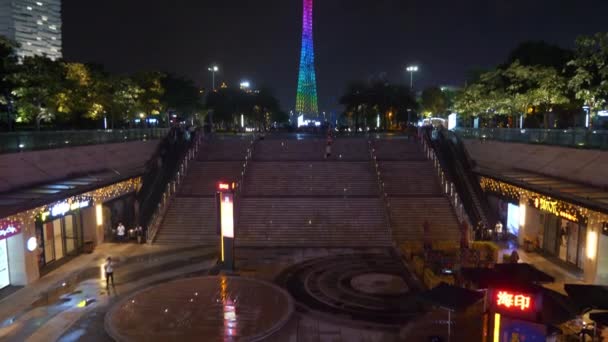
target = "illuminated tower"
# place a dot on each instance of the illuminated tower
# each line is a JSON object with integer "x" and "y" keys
{"x": 306, "y": 99}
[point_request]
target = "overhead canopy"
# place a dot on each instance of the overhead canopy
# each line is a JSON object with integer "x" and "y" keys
{"x": 451, "y": 297}
{"x": 588, "y": 297}
{"x": 600, "y": 317}
{"x": 506, "y": 275}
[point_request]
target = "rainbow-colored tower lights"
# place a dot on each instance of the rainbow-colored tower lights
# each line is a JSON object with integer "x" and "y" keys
{"x": 306, "y": 99}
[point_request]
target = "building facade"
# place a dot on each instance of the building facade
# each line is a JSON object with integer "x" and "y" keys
{"x": 34, "y": 24}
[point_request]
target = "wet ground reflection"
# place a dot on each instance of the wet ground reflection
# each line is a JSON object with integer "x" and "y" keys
{"x": 205, "y": 308}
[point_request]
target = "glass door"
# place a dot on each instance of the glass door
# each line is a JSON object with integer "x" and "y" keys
{"x": 573, "y": 234}
{"x": 49, "y": 244}
{"x": 58, "y": 239}
{"x": 70, "y": 234}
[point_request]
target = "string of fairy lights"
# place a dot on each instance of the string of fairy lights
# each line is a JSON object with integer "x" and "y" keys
{"x": 546, "y": 203}
{"x": 100, "y": 195}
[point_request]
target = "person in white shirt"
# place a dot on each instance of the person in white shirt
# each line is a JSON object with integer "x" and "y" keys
{"x": 108, "y": 268}
{"x": 498, "y": 229}
{"x": 120, "y": 232}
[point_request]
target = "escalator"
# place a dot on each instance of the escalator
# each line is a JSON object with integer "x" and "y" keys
{"x": 458, "y": 165}
{"x": 160, "y": 169}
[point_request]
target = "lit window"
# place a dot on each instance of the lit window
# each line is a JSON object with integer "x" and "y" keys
{"x": 39, "y": 50}
{"x": 52, "y": 27}
{"x": 53, "y": 38}
{"x": 38, "y": 38}
{"x": 29, "y": 8}
{"x": 45, "y": 18}
{"x": 38, "y": 3}
{"x": 39, "y": 22}
{"x": 29, "y": 43}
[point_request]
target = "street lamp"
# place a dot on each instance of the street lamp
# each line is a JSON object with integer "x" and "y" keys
{"x": 213, "y": 70}
{"x": 412, "y": 69}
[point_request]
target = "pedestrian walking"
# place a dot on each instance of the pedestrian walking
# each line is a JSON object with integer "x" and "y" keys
{"x": 139, "y": 231}
{"x": 498, "y": 229}
{"x": 108, "y": 268}
{"x": 120, "y": 232}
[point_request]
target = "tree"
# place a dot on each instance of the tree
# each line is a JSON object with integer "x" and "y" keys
{"x": 540, "y": 53}
{"x": 363, "y": 103}
{"x": 8, "y": 65}
{"x": 152, "y": 91}
{"x": 38, "y": 89}
{"x": 434, "y": 101}
{"x": 590, "y": 64}
{"x": 181, "y": 96}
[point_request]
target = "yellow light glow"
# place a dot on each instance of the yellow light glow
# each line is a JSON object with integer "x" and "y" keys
{"x": 522, "y": 216}
{"x": 222, "y": 248}
{"x": 496, "y": 328}
{"x": 99, "y": 214}
{"x": 82, "y": 304}
{"x": 591, "y": 244}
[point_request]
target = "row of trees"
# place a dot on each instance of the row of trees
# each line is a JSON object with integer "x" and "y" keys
{"x": 541, "y": 82}
{"x": 364, "y": 103}
{"x": 38, "y": 90}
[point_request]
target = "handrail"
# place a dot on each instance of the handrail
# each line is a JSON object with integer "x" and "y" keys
{"x": 171, "y": 189}
{"x": 381, "y": 188}
{"x": 447, "y": 184}
{"x": 32, "y": 141}
{"x": 578, "y": 138}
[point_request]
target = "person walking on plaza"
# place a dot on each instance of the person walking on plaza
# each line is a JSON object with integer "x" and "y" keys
{"x": 108, "y": 268}
{"x": 120, "y": 232}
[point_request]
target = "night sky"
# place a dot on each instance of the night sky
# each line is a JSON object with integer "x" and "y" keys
{"x": 354, "y": 39}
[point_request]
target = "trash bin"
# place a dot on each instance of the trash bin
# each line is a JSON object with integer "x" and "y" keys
{"x": 89, "y": 246}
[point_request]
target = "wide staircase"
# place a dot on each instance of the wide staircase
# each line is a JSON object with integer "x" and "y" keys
{"x": 191, "y": 218}
{"x": 293, "y": 197}
{"x": 414, "y": 192}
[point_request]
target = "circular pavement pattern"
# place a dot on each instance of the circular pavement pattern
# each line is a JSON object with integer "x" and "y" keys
{"x": 201, "y": 309}
{"x": 371, "y": 289}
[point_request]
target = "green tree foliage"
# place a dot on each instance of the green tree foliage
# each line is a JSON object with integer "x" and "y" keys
{"x": 181, "y": 96}
{"x": 8, "y": 65}
{"x": 434, "y": 101}
{"x": 38, "y": 89}
{"x": 590, "y": 64}
{"x": 363, "y": 103}
{"x": 260, "y": 108}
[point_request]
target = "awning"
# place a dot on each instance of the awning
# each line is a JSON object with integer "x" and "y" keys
{"x": 451, "y": 297}
{"x": 588, "y": 297}
{"x": 513, "y": 275}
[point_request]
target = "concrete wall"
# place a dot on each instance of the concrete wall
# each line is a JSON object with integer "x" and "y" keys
{"x": 26, "y": 168}
{"x": 586, "y": 166}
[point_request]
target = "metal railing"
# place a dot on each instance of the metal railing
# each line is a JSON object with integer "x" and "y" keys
{"x": 171, "y": 189}
{"x": 248, "y": 155}
{"x": 579, "y": 138}
{"x": 30, "y": 141}
{"x": 447, "y": 185}
{"x": 381, "y": 188}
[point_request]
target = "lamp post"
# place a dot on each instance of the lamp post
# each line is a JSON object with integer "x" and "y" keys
{"x": 213, "y": 70}
{"x": 412, "y": 69}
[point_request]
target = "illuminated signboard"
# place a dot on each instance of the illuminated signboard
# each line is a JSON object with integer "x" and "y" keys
{"x": 556, "y": 208}
{"x": 9, "y": 228}
{"x": 61, "y": 208}
{"x": 514, "y": 301}
{"x": 227, "y": 215}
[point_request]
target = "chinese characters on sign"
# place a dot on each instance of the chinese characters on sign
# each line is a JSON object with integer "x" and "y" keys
{"x": 511, "y": 300}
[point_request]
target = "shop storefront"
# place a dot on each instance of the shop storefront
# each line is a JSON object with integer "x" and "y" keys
{"x": 558, "y": 229}
{"x": 9, "y": 232}
{"x": 562, "y": 230}
{"x": 59, "y": 230}
{"x": 33, "y": 240}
